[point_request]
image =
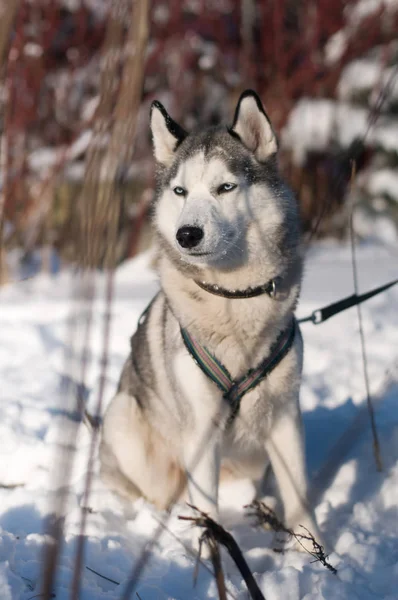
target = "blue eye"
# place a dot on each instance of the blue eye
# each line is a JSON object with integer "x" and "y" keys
{"x": 226, "y": 187}
{"x": 179, "y": 191}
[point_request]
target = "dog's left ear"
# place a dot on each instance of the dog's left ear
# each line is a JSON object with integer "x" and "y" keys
{"x": 253, "y": 126}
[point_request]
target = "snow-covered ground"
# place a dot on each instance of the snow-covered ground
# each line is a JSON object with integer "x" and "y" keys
{"x": 356, "y": 506}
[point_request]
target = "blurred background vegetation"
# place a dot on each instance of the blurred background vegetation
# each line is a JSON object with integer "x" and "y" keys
{"x": 326, "y": 71}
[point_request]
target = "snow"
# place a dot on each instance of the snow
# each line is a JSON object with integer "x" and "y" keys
{"x": 383, "y": 182}
{"x": 359, "y": 75}
{"x": 314, "y": 125}
{"x": 365, "y": 75}
{"x": 355, "y": 505}
{"x": 366, "y": 8}
{"x": 356, "y": 12}
{"x": 43, "y": 160}
{"x": 80, "y": 145}
{"x": 336, "y": 46}
{"x": 379, "y": 228}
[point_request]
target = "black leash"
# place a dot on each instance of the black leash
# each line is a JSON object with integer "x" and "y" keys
{"x": 322, "y": 314}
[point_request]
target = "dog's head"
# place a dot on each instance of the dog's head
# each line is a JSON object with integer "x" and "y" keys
{"x": 221, "y": 203}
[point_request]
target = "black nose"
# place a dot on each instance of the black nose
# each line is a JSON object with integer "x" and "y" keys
{"x": 189, "y": 237}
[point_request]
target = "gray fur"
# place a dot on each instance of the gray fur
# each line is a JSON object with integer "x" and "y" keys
{"x": 165, "y": 428}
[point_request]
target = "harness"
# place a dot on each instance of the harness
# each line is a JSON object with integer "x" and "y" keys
{"x": 234, "y": 390}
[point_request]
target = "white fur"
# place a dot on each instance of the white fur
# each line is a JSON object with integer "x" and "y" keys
{"x": 222, "y": 217}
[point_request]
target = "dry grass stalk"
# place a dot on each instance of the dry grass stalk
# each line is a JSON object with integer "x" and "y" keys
{"x": 267, "y": 518}
{"x": 111, "y": 150}
{"x": 375, "y": 437}
{"x": 102, "y": 194}
{"x": 8, "y": 11}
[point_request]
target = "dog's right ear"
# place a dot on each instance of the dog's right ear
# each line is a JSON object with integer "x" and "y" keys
{"x": 253, "y": 127}
{"x": 167, "y": 135}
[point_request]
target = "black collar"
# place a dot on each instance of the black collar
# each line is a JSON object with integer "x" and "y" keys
{"x": 267, "y": 288}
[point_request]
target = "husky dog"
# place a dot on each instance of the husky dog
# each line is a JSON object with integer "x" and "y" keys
{"x": 230, "y": 265}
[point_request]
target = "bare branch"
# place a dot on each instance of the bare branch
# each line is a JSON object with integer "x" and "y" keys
{"x": 102, "y": 576}
{"x": 217, "y": 533}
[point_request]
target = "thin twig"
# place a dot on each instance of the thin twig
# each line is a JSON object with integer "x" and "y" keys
{"x": 94, "y": 432}
{"x": 267, "y": 518}
{"x": 376, "y": 444}
{"x": 103, "y": 576}
{"x": 317, "y": 551}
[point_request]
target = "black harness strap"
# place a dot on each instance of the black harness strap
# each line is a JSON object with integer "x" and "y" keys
{"x": 322, "y": 314}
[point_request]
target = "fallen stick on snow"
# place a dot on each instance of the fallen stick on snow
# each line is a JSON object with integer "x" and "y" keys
{"x": 102, "y": 576}
{"x": 217, "y": 534}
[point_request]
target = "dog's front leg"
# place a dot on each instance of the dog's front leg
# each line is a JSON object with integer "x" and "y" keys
{"x": 285, "y": 447}
{"x": 202, "y": 456}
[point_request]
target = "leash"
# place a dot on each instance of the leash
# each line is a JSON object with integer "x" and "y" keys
{"x": 323, "y": 314}
{"x": 234, "y": 390}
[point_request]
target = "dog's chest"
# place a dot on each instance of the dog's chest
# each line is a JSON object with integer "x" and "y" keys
{"x": 206, "y": 402}
{"x": 238, "y": 341}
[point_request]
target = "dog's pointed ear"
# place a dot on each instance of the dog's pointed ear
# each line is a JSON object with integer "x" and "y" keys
{"x": 253, "y": 127}
{"x": 167, "y": 135}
